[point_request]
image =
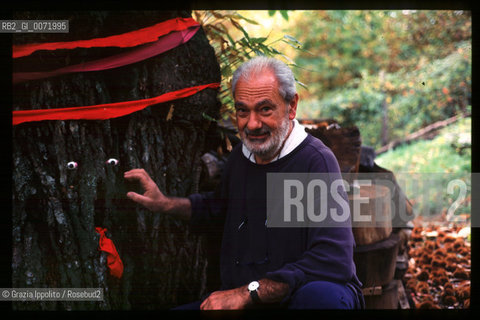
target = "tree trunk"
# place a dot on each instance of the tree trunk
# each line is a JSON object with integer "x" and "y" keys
{"x": 384, "y": 132}
{"x": 56, "y": 210}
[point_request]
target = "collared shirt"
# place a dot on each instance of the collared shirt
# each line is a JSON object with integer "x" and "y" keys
{"x": 296, "y": 137}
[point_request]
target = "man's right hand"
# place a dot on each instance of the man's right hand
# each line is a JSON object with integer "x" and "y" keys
{"x": 152, "y": 199}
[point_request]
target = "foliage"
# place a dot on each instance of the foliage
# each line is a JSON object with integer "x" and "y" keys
{"x": 345, "y": 44}
{"x": 417, "y": 64}
{"x": 284, "y": 13}
{"x": 444, "y": 158}
{"x": 449, "y": 151}
{"x": 432, "y": 92}
{"x": 231, "y": 51}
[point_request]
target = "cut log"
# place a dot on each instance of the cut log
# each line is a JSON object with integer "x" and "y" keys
{"x": 376, "y": 211}
{"x": 345, "y": 143}
{"x": 376, "y": 262}
{"x": 399, "y": 198}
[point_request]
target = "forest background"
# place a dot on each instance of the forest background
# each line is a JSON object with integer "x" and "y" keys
{"x": 390, "y": 73}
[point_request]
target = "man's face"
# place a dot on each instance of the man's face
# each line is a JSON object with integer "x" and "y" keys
{"x": 262, "y": 114}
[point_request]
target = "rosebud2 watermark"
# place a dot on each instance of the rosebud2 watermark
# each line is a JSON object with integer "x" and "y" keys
{"x": 365, "y": 199}
{"x": 51, "y": 294}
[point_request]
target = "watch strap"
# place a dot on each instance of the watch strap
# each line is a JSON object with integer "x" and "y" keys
{"x": 254, "y": 295}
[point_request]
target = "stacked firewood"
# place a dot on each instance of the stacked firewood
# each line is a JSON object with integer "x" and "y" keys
{"x": 345, "y": 142}
{"x": 438, "y": 275}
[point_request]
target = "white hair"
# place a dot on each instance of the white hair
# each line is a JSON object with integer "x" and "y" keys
{"x": 282, "y": 72}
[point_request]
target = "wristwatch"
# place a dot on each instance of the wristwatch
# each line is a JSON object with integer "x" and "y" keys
{"x": 252, "y": 288}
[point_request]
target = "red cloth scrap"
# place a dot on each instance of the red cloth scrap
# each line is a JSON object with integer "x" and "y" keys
{"x": 124, "y": 40}
{"x": 103, "y": 111}
{"x": 165, "y": 43}
{"x": 114, "y": 263}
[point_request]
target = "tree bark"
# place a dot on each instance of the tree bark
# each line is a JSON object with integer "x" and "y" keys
{"x": 56, "y": 210}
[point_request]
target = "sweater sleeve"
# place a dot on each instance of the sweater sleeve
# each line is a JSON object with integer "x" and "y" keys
{"x": 209, "y": 208}
{"x": 329, "y": 250}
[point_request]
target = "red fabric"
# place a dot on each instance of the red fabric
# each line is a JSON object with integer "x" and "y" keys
{"x": 103, "y": 111}
{"x": 165, "y": 43}
{"x": 124, "y": 40}
{"x": 114, "y": 263}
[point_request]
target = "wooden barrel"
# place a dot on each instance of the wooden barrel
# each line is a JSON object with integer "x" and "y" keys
{"x": 377, "y": 210}
{"x": 387, "y": 298}
{"x": 376, "y": 262}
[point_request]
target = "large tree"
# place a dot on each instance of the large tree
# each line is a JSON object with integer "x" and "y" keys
{"x": 56, "y": 209}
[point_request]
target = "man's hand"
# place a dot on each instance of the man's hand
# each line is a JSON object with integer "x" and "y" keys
{"x": 237, "y": 298}
{"x": 152, "y": 199}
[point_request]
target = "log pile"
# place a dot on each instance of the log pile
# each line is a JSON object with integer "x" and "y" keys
{"x": 345, "y": 143}
{"x": 438, "y": 276}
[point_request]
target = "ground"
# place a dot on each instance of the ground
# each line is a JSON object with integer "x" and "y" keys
{"x": 438, "y": 275}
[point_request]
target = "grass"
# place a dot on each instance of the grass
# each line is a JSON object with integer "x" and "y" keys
{"x": 448, "y": 152}
{"x": 436, "y": 172}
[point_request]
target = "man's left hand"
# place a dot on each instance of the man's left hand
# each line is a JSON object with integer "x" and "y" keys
{"x": 237, "y": 298}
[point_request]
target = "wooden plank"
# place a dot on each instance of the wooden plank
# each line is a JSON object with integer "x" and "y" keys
{"x": 402, "y": 296}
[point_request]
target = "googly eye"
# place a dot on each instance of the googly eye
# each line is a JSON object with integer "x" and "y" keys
{"x": 112, "y": 162}
{"x": 72, "y": 165}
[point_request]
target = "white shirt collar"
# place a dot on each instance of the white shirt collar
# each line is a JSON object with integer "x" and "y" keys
{"x": 296, "y": 137}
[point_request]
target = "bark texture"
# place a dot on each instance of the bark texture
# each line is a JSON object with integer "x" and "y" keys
{"x": 56, "y": 210}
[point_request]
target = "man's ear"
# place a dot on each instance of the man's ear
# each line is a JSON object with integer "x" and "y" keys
{"x": 292, "y": 107}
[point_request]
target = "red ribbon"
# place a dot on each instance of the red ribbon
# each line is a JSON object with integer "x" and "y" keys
{"x": 124, "y": 40}
{"x": 103, "y": 111}
{"x": 165, "y": 43}
{"x": 114, "y": 263}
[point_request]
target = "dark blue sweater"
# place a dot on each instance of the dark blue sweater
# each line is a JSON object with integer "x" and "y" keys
{"x": 251, "y": 251}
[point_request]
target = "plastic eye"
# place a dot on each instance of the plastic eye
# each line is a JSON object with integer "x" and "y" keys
{"x": 112, "y": 162}
{"x": 72, "y": 165}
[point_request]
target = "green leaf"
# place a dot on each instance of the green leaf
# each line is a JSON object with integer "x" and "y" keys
{"x": 247, "y": 19}
{"x": 301, "y": 84}
{"x": 271, "y": 12}
{"x": 206, "y": 116}
{"x": 284, "y": 14}
{"x": 297, "y": 47}
{"x": 232, "y": 42}
{"x": 288, "y": 59}
{"x": 292, "y": 39}
{"x": 239, "y": 27}
{"x": 258, "y": 40}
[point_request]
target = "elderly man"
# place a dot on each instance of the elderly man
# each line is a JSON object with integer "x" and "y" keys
{"x": 300, "y": 268}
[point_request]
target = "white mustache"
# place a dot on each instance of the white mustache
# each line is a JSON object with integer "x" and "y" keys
{"x": 257, "y": 132}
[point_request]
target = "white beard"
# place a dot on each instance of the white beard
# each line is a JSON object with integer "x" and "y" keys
{"x": 267, "y": 148}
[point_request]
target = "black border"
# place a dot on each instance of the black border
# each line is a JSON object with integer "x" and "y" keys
{"x": 6, "y": 139}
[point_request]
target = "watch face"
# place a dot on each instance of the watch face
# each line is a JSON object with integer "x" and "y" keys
{"x": 253, "y": 286}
